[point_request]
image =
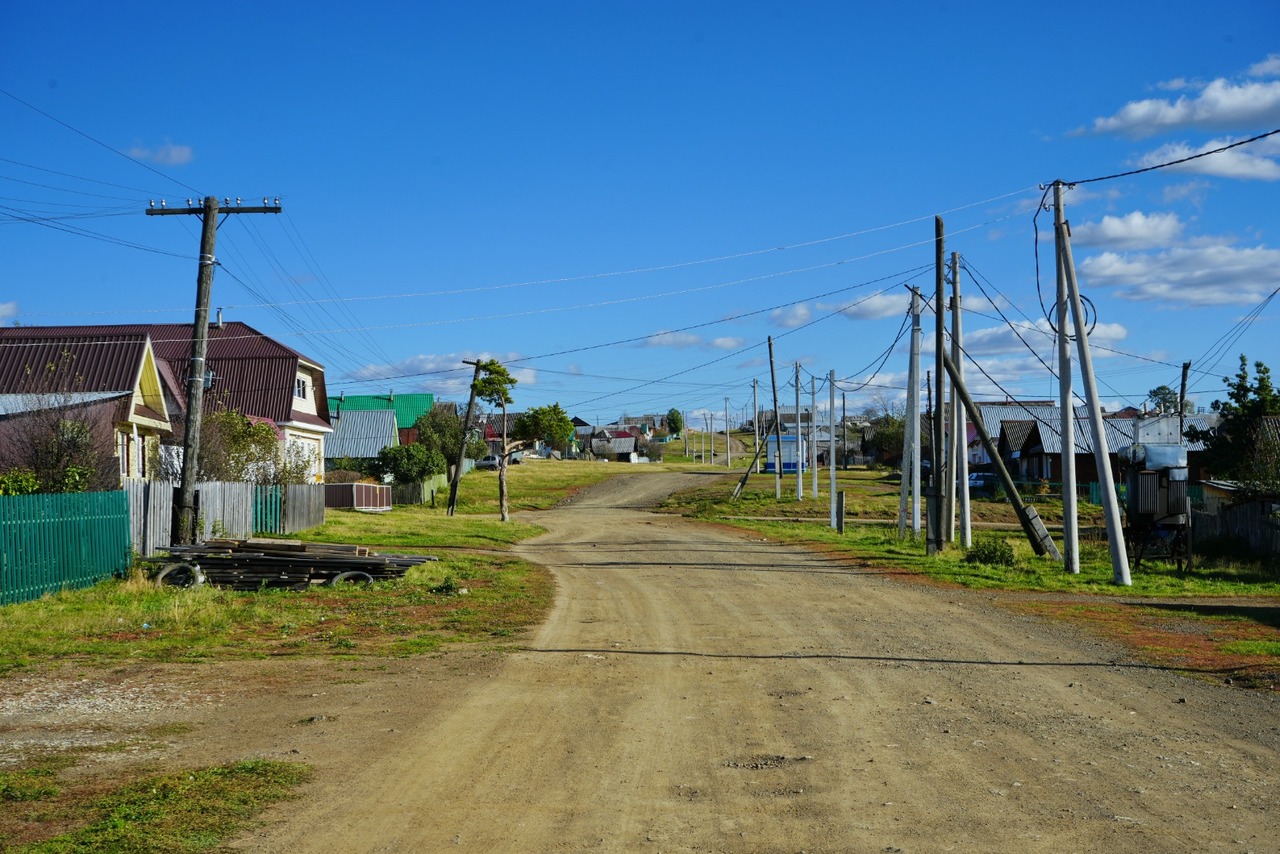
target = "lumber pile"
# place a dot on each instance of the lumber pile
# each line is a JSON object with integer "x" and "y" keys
{"x": 255, "y": 563}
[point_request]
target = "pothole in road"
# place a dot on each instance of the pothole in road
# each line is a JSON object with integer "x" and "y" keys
{"x": 759, "y": 763}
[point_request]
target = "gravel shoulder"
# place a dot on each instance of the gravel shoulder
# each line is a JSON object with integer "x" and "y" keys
{"x": 697, "y": 689}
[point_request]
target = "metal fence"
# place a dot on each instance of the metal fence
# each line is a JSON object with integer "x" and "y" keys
{"x": 53, "y": 542}
{"x": 419, "y": 493}
{"x": 357, "y": 496}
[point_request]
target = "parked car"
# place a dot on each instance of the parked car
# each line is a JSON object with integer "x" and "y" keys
{"x": 489, "y": 463}
{"x": 983, "y": 484}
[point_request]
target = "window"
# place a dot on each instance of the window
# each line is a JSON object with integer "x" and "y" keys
{"x": 300, "y": 388}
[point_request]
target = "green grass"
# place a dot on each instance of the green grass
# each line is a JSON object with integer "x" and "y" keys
{"x": 1253, "y": 647}
{"x": 180, "y": 812}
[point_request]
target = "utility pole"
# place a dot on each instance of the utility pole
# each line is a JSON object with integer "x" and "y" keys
{"x": 728, "y": 454}
{"x": 937, "y": 471}
{"x": 959, "y": 430}
{"x": 813, "y": 431}
{"x": 777, "y": 429}
{"x": 462, "y": 448}
{"x": 1070, "y": 517}
{"x": 1101, "y": 453}
{"x": 844, "y": 432}
{"x": 755, "y": 418}
{"x": 799, "y": 441}
{"x": 831, "y": 443}
{"x": 910, "y": 483}
{"x": 1182, "y": 402}
{"x": 184, "y": 512}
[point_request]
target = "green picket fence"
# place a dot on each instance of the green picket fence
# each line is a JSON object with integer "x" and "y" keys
{"x": 54, "y": 542}
{"x": 268, "y": 510}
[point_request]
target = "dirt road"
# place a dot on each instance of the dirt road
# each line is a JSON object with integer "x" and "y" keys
{"x": 699, "y": 690}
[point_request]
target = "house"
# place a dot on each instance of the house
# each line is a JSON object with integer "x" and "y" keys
{"x": 360, "y": 434}
{"x": 616, "y": 445}
{"x": 109, "y": 381}
{"x": 245, "y": 371}
{"x": 408, "y": 408}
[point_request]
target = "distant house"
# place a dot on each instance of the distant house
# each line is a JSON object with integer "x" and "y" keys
{"x": 408, "y": 408}
{"x": 615, "y": 445}
{"x": 360, "y": 434}
{"x": 246, "y": 371}
{"x": 111, "y": 382}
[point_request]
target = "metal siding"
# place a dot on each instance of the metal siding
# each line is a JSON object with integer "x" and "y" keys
{"x": 361, "y": 434}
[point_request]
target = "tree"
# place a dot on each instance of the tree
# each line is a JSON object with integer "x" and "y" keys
{"x": 493, "y": 385}
{"x": 675, "y": 422}
{"x": 62, "y": 448}
{"x": 548, "y": 424}
{"x": 1243, "y": 448}
{"x": 409, "y": 463}
{"x": 235, "y": 448}
{"x": 1165, "y": 399}
{"x": 441, "y": 430}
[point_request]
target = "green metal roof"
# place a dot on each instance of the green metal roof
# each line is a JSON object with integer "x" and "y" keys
{"x": 408, "y": 407}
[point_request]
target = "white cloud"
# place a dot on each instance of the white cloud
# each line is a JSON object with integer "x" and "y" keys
{"x": 791, "y": 316}
{"x": 673, "y": 339}
{"x": 1134, "y": 230}
{"x": 167, "y": 154}
{"x": 1192, "y": 191}
{"x": 1247, "y": 163}
{"x": 8, "y": 309}
{"x": 891, "y": 304}
{"x": 1269, "y": 67}
{"x": 1219, "y": 104}
{"x": 1188, "y": 276}
{"x": 443, "y": 374}
{"x": 727, "y": 343}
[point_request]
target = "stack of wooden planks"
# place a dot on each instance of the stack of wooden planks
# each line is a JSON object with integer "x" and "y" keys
{"x": 255, "y": 563}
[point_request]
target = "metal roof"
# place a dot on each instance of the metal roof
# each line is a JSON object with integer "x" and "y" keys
{"x": 253, "y": 373}
{"x": 361, "y": 434}
{"x": 52, "y": 363}
{"x": 407, "y": 407}
{"x": 16, "y": 404}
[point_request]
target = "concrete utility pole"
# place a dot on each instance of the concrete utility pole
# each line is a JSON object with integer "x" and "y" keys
{"x": 1067, "y": 415}
{"x": 910, "y": 483}
{"x": 777, "y": 429}
{"x": 937, "y": 471}
{"x": 831, "y": 443}
{"x": 755, "y": 418}
{"x": 959, "y": 428}
{"x": 799, "y": 440}
{"x": 1101, "y": 453}
{"x": 728, "y": 454}
{"x": 184, "y": 514}
{"x": 813, "y": 431}
{"x": 462, "y": 449}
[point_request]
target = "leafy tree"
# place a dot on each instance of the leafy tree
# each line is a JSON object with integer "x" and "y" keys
{"x": 675, "y": 421}
{"x": 441, "y": 430}
{"x": 235, "y": 448}
{"x": 409, "y": 463}
{"x": 493, "y": 386}
{"x": 548, "y": 424}
{"x": 1165, "y": 399}
{"x": 1244, "y": 447}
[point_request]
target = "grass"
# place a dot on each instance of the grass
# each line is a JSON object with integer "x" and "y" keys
{"x": 179, "y": 812}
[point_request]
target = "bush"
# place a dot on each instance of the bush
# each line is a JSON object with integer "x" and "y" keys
{"x": 991, "y": 551}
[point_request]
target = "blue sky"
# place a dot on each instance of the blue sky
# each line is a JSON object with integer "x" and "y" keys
{"x": 623, "y": 201}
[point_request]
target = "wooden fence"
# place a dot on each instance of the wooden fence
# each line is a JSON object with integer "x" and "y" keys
{"x": 52, "y": 542}
{"x": 225, "y": 510}
{"x": 1250, "y": 523}
{"x": 419, "y": 493}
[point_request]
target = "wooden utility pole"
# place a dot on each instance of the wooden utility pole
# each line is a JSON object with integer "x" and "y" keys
{"x": 777, "y": 429}
{"x": 184, "y": 512}
{"x": 462, "y": 448}
{"x": 937, "y": 471}
{"x": 1182, "y": 405}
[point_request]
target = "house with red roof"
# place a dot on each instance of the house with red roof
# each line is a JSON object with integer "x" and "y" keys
{"x": 246, "y": 371}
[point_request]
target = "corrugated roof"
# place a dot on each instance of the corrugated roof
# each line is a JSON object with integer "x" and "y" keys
{"x": 1119, "y": 434}
{"x": 254, "y": 374}
{"x": 408, "y": 407}
{"x": 361, "y": 433}
{"x": 15, "y": 404}
{"x": 67, "y": 363}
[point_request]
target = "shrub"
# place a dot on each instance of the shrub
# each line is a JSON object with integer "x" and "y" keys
{"x": 992, "y": 551}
